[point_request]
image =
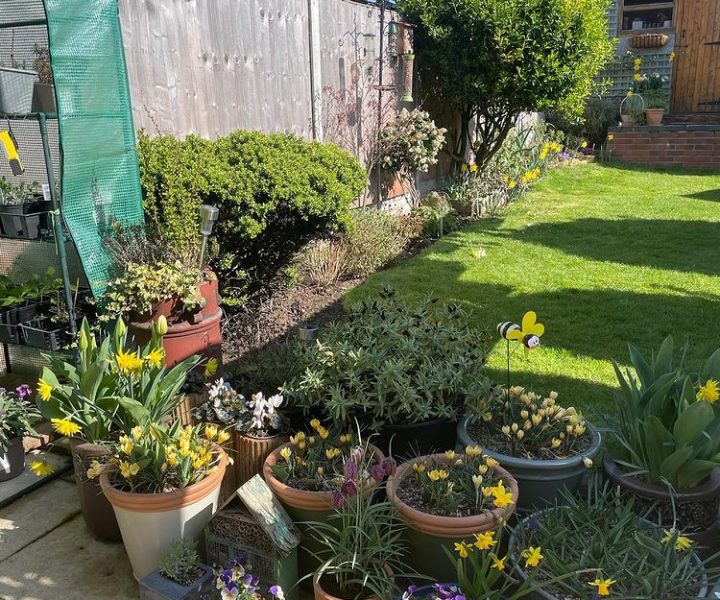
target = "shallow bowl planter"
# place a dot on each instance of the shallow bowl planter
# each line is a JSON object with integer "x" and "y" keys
{"x": 696, "y": 508}
{"x": 158, "y": 587}
{"x": 540, "y": 481}
{"x": 149, "y": 523}
{"x": 302, "y": 506}
{"x": 426, "y": 535}
{"x": 542, "y": 594}
{"x": 12, "y": 462}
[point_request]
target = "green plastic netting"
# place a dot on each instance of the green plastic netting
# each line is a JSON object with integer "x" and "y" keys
{"x": 100, "y": 183}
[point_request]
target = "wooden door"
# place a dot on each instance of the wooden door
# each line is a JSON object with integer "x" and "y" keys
{"x": 696, "y": 80}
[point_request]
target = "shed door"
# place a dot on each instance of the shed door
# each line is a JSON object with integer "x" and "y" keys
{"x": 696, "y": 80}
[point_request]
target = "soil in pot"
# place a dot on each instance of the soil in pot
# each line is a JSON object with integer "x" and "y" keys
{"x": 12, "y": 462}
{"x": 96, "y": 510}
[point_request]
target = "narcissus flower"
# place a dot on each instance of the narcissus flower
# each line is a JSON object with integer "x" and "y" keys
{"x": 41, "y": 468}
{"x": 156, "y": 358}
{"x": 498, "y": 563}
{"x": 462, "y": 549}
{"x": 681, "y": 543}
{"x": 129, "y": 363}
{"x": 532, "y": 556}
{"x": 486, "y": 540}
{"x": 503, "y": 497}
{"x": 44, "y": 390}
{"x": 710, "y": 392}
{"x": 211, "y": 367}
{"x": 65, "y": 427}
{"x": 603, "y": 586}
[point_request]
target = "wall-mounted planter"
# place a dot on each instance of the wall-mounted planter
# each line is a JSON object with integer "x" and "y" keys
{"x": 649, "y": 40}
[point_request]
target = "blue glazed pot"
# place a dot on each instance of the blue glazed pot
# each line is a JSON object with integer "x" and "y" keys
{"x": 540, "y": 481}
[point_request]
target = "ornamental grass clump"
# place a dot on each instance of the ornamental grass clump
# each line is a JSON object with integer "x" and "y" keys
{"x": 321, "y": 460}
{"x": 461, "y": 485}
{"x": 390, "y": 362}
{"x": 524, "y": 424}
{"x": 598, "y": 546}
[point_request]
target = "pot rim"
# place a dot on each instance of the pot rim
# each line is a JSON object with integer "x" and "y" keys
{"x": 258, "y": 438}
{"x": 407, "y": 426}
{"x": 537, "y": 463}
{"x": 317, "y": 575}
{"x": 302, "y": 498}
{"x": 710, "y": 487}
{"x": 454, "y": 526}
{"x": 163, "y": 501}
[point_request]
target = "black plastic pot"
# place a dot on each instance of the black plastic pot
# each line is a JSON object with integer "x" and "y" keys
{"x": 417, "y": 439}
{"x": 45, "y": 334}
{"x": 12, "y": 462}
{"x": 26, "y": 221}
{"x": 696, "y": 509}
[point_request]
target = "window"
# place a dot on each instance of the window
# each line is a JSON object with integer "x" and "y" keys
{"x": 646, "y": 14}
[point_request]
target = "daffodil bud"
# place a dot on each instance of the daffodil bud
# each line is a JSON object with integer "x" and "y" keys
{"x": 161, "y": 326}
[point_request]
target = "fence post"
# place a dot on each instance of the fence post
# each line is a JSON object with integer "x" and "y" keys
{"x": 315, "y": 69}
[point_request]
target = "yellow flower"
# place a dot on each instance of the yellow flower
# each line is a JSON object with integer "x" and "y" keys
{"x": 211, "y": 367}
{"x": 171, "y": 457}
{"x": 296, "y": 439}
{"x": 532, "y": 556}
{"x": 710, "y": 392}
{"x": 331, "y": 453}
{"x": 286, "y": 453}
{"x": 464, "y": 168}
{"x": 630, "y": 93}
{"x": 65, "y": 427}
{"x": 44, "y": 390}
{"x": 223, "y": 437}
{"x": 462, "y": 549}
{"x": 419, "y": 467}
{"x": 486, "y": 540}
{"x": 323, "y": 433}
{"x": 128, "y": 470}
{"x": 320, "y": 471}
{"x": 129, "y": 363}
{"x": 503, "y": 497}
{"x": 211, "y": 432}
{"x": 603, "y": 586}
{"x": 498, "y": 563}
{"x": 611, "y": 137}
{"x": 41, "y": 468}
{"x": 584, "y": 144}
{"x": 315, "y": 423}
{"x": 477, "y": 481}
{"x": 94, "y": 470}
{"x": 671, "y": 56}
{"x": 137, "y": 432}
{"x": 487, "y": 491}
{"x": 126, "y": 444}
{"x": 156, "y": 358}
{"x": 473, "y": 168}
{"x": 491, "y": 462}
{"x": 681, "y": 543}
{"x": 473, "y": 451}
{"x": 637, "y": 63}
{"x": 450, "y": 454}
{"x": 513, "y": 184}
{"x": 637, "y": 77}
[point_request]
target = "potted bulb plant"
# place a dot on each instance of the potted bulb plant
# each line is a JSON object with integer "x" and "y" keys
{"x": 16, "y": 416}
{"x": 181, "y": 575}
{"x": 448, "y": 497}
{"x": 664, "y": 441}
{"x": 163, "y": 484}
{"x": 23, "y": 210}
{"x": 255, "y": 425}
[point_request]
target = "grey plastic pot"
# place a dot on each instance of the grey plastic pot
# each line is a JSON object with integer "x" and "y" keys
{"x": 540, "y": 481}
{"x": 543, "y": 595}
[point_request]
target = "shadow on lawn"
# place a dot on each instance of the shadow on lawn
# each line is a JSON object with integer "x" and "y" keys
{"x": 662, "y": 244}
{"x": 709, "y": 195}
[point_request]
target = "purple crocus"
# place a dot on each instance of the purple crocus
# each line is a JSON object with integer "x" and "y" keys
{"x": 24, "y": 391}
{"x": 350, "y": 470}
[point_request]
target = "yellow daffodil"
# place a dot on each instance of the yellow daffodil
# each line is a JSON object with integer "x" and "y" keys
{"x": 65, "y": 427}
{"x": 126, "y": 444}
{"x": 503, "y": 497}
{"x": 41, "y": 468}
{"x": 473, "y": 168}
{"x": 637, "y": 77}
{"x": 462, "y": 549}
{"x": 286, "y": 453}
{"x": 584, "y": 144}
{"x": 710, "y": 392}
{"x": 44, "y": 390}
{"x": 532, "y": 556}
{"x": 419, "y": 467}
{"x": 610, "y": 137}
{"x": 486, "y": 540}
{"x": 681, "y": 543}
{"x": 211, "y": 432}
{"x": 223, "y": 436}
{"x": 156, "y": 358}
{"x": 603, "y": 586}
{"x": 464, "y": 168}
{"x": 94, "y": 470}
{"x": 637, "y": 63}
{"x": 211, "y": 367}
{"x": 129, "y": 363}
{"x": 513, "y": 184}
{"x": 498, "y": 563}
{"x": 331, "y": 453}
{"x": 473, "y": 451}
{"x": 128, "y": 470}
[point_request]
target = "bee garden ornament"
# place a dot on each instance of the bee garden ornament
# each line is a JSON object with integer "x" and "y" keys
{"x": 528, "y": 332}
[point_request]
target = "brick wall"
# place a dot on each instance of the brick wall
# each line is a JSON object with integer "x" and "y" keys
{"x": 696, "y": 146}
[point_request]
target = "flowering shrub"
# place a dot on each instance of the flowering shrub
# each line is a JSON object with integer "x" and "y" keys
{"x": 411, "y": 142}
{"x": 258, "y": 416}
{"x": 155, "y": 459}
{"x": 524, "y": 424}
{"x": 320, "y": 461}
{"x": 461, "y": 485}
{"x": 236, "y": 582}
{"x": 16, "y": 415}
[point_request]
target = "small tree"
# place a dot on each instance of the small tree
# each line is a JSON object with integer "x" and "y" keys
{"x": 493, "y": 59}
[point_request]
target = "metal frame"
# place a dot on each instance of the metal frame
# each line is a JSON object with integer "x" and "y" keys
{"x": 649, "y": 6}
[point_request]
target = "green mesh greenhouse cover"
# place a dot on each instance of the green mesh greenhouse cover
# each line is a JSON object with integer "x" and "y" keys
{"x": 100, "y": 183}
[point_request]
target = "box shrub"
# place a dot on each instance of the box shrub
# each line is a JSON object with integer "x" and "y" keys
{"x": 275, "y": 193}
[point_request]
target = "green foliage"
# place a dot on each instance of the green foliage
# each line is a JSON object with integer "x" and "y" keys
{"x": 497, "y": 58}
{"x": 180, "y": 562}
{"x": 390, "y": 362}
{"x": 652, "y": 89}
{"x": 600, "y": 114}
{"x": 16, "y": 193}
{"x": 600, "y": 536}
{"x": 37, "y": 287}
{"x": 275, "y": 193}
{"x": 666, "y": 430}
{"x": 16, "y": 415}
{"x": 411, "y": 142}
{"x": 42, "y": 65}
{"x": 435, "y": 222}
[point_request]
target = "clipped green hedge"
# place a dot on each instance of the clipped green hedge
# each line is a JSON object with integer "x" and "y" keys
{"x": 275, "y": 193}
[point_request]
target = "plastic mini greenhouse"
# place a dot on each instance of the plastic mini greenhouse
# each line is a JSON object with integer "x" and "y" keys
{"x": 69, "y": 168}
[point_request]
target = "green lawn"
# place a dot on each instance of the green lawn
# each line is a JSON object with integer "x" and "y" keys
{"x": 604, "y": 255}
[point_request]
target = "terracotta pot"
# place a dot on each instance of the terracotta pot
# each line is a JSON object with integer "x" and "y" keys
{"x": 12, "y": 462}
{"x": 654, "y": 116}
{"x": 191, "y": 400}
{"x": 628, "y": 120}
{"x": 96, "y": 510}
{"x": 321, "y": 594}
{"x": 251, "y": 452}
{"x": 696, "y": 508}
{"x": 151, "y": 522}
{"x": 426, "y": 535}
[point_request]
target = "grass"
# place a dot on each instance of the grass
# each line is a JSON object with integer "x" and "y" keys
{"x": 605, "y": 255}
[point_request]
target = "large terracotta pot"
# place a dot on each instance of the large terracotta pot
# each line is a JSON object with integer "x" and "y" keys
{"x": 303, "y": 506}
{"x": 189, "y": 332}
{"x": 96, "y": 510}
{"x": 426, "y": 535}
{"x": 321, "y": 594}
{"x": 540, "y": 481}
{"x": 12, "y": 462}
{"x": 654, "y": 116}
{"x": 695, "y": 509}
{"x": 151, "y": 522}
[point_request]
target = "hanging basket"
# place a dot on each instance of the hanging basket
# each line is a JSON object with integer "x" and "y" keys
{"x": 649, "y": 40}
